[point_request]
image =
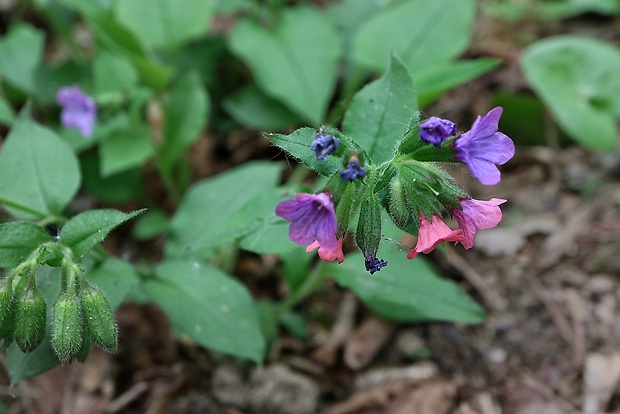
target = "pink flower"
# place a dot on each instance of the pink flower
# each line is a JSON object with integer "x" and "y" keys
{"x": 328, "y": 255}
{"x": 477, "y": 215}
{"x": 431, "y": 234}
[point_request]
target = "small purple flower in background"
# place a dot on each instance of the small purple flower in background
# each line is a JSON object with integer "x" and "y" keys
{"x": 78, "y": 110}
{"x": 477, "y": 215}
{"x": 482, "y": 147}
{"x": 353, "y": 171}
{"x": 312, "y": 219}
{"x": 323, "y": 145}
{"x": 373, "y": 264}
{"x": 436, "y": 130}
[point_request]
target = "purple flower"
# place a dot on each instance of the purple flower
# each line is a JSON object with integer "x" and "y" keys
{"x": 78, "y": 110}
{"x": 312, "y": 219}
{"x": 436, "y": 130}
{"x": 353, "y": 171}
{"x": 483, "y": 146}
{"x": 323, "y": 145}
{"x": 373, "y": 264}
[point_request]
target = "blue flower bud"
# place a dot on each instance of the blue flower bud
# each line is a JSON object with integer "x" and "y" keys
{"x": 324, "y": 145}
{"x": 373, "y": 264}
{"x": 353, "y": 171}
{"x": 436, "y": 130}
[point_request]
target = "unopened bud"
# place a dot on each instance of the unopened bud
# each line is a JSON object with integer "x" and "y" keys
{"x": 98, "y": 319}
{"x": 30, "y": 319}
{"x": 67, "y": 329}
{"x": 7, "y": 311}
{"x": 398, "y": 207}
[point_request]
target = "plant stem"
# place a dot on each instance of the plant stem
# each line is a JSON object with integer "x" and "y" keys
{"x": 25, "y": 209}
{"x": 305, "y": 289}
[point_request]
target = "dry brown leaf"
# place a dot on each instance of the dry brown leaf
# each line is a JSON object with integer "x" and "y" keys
{"x": 367, "y": 341}
{"x": 431, "y": 398}
{"x": 414, "y": 373}
{"x": 601, "y": 375}
{"x": 341, "y": 330}
{"x": 373, "y": 399}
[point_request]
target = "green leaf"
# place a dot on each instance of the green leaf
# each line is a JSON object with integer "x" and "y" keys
{"x": 151, "y": 224}
{"x": 298, "y": 145}
{"x": 115, "y": 279}
{"x": 209, "y": 306}
{"x": 432, "y": 82}
{"x": 6, "y": 112}
{"x": 127, "y": 145}
{"x": 164, "y": 23}
{"x": 296, "y": 62}
{"x": 209, "y": 203}
{"x": 185, "y": 115}
{"x": 21, "y": 51}
{"x": 18, "y": 239}
{"x": 380, "y": 113}
{"x": 40, "y": 173}
{"x": 113, "y": 73}
{"x": 406, "y": 290}
{"x": 250, "y": 106}
{"x": 115, "y": 189}
{"x": 50, "y": 78}
{"x": 43, "y": 358}
{"x": 421, "y": 33}
{"x": 85, "y": 230}
{"x": 578, "y": 79}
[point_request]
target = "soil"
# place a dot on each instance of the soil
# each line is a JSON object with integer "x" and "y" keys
{"x": 548, "y": 278}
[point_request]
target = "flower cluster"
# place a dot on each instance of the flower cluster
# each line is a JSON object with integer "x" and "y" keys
{"x": 413, "y": 191}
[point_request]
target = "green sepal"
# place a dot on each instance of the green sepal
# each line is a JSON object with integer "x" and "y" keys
{"x": 30, "y": 318}
{"x": 368, "y": 234}
{"x": 98, "y": 319}
{"x": 84, "y": 349}
{"x": 398, "y": 207}
{"x": 7, "y": 307}
{"x": 67, "y": 330}
{"x": 345, "y": 208}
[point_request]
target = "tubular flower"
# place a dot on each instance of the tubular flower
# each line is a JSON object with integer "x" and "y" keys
{"x": 323, "y": 145}
{"x": 78, "y": 110}
{"x": 373, "y": 264}
{"x": 477, "y": 215}
{"x": 312, "y": 220}
{"x": 437, "y": 130}
{"x": 482, "y": 147}
{"x": 431, "y": 234}
{"x": 328, "y": 255}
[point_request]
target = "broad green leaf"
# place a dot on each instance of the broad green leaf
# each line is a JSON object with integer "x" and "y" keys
{"x": 113, "y": 73}
{"x": 50, "y": 78}
{"x": 152, "y": 223}
{"x": 119, "y": 40}
{"x": 115, "y": 189}
{"x": 39, "y": 172}
{"x": 18, "y": 239}
{"x": 185, "y": 115}
{"x": 6, "y": 112}
{"x": 43, "y": 358}
{"x": 115, "y": 278}
{"x": 209, "y": 306}
{"x": 432, "y": 82}
{"x": 164, "y": 23}
{"x": 298, "y": 143}
{"x": 127, "y": 145}
{"x": 85, "y": 230}
{"x": 21, "y": 50}
{"x": 579, "y": 79}
{"x": 209, "y": 203}
{"x": 250, "y": 106}
{"x": 422, "y": 33}
{"x": 406, "y": 290}
{"x": 295, "y": 62}
{"x": 380, "y": 113}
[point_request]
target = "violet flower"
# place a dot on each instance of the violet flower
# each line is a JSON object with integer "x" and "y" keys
{"x": 323, "y": 145}
{"x": 353, "y": 171}
{"x": 430, "y": 235}
{"x": 482, "y": 147}
{"x": 312, "y": 219}
{"x": 477, "y": 215}
{"x": 437, "y": 130}
{"x": 78, "y": 110}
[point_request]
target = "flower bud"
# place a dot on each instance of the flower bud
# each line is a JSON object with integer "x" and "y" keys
{"x": 98, "y": 319}
{"x": 30, "y": 318}
{"x": 398, "y": 207}
{"x": 67, "y": 329}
